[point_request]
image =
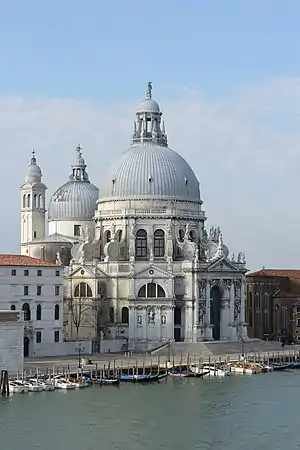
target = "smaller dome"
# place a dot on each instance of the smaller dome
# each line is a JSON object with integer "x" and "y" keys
{"x": 34, "y": 173}
{"x": 148, "y": 106}
{"x": 75, "y": 200}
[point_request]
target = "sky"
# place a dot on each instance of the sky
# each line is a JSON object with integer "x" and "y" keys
{"x": 226, "y": 75}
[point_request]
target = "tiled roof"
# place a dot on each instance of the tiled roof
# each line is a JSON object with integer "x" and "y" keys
{"x": 22, "y": 260}
{"x": 275, "y": 273}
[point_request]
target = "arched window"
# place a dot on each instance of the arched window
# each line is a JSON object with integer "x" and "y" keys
{"x": 24, "y": 201}
{"x": 111, "y": 315}
{"x": 193, "y": 236}
{"x": 28, "y": 201}
{"x": 141, "y": 244}
{"x": 250, "y": 310}
{"x": 38, "y": 312}
{"x": 266, "y": 301}
{"x": 56, "y": 312}
{"x": 13, "y": 307}
{"x": 125, "y": 315}
{"x": 177, "y": 315}
{"x": 181, "y": 235}
{"x": 40, "y": 203}
{"x": 107, "y": 236}
{"x": 35, "y": 200}
{"x": 83, "y": 290}
{"x": 27, "y": 312}
{"x": 119, "y": 235}
{"x": 151, "y": 290}
{"x": 159, "y": 244}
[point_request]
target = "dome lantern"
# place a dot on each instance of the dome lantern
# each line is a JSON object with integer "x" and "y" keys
{"x": 148, "y": 127}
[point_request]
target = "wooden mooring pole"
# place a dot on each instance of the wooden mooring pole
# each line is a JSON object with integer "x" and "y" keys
{"x": 4, "y": 384}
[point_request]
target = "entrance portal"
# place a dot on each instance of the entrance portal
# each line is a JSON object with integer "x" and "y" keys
{"x": 215, "y": 312}
{"x": 26, "y": 347}
{"x": 177, "y": 334}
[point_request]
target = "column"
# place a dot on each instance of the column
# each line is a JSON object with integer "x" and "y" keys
{"x": 232, "y": 322}
{"x": 131, "y": 328}
{"x": 208, "y": 330}
{"x": 188, "y": 309}
{"x": 242, "y": 313}
{"x": 196, "y": 309}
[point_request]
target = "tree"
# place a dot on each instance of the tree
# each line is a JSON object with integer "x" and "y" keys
{"x": 78, "y": 307}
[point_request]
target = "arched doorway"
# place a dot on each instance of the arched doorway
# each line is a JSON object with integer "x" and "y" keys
{"x": 215, "y": 312}
{"x": 26, "y": 346}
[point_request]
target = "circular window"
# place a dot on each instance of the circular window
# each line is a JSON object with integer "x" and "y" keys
{"x": 82, "y": 272}
{"x": 151, "y": 272}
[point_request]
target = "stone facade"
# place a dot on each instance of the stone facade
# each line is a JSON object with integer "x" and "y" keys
{"x": 273, "y": 304}
{"x": 11, "y": 341}
{"x": 141, "y": 268}
{"x": 36, "y": 288}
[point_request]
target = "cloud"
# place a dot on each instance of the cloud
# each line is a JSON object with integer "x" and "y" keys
{"x": 244, "y": 149}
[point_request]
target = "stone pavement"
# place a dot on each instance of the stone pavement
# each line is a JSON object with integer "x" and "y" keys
{"x": 178, "y": 352}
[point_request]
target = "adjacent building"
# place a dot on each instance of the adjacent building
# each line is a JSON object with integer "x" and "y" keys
{"x": 34, "y": 287}
{"x": 11, "y": 341}
{"x": 273, "y": 304}
{"x": 142, "y": 268}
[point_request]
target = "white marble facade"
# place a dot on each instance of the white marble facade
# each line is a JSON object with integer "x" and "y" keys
{"x": 144, "y": 263}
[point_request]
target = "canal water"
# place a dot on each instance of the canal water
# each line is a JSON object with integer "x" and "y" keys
{"x": 240, "y": 412}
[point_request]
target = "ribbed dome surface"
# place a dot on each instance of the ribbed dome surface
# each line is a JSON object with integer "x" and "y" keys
{"x": 148, "y": 105}
{"x": 148, "y": 171}
{"x": 74, "y": 200}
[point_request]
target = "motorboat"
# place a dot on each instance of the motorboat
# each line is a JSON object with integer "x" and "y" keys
{"x": 45, "y": 385}
{"x": 243, "y": 368}
{"x": 62, "y": 383}
{"x": 32, "y": 387}
{"x": 21, "y": 385}
{"x": 210, "y": 370}
{"x": 16, "y": 388}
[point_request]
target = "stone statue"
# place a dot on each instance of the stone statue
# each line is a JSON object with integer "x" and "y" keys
{"x": 151, "y": 317}
{"x": 163, "y": 319}
{"x": 58, "y": 259}
{"x": 239, "y": 257}
{"x": 169, "y": 230}
{"x": 132, "y": 265}
{"x": 132, "y": 229}
{"x": 187, "y": 229}
{"x": 233, "y": 257}
{"x": 139, "y": 320}
{"x": 113, "y": 231}
{"x": 149, "y": 90}
{"x": 220, "y": 251}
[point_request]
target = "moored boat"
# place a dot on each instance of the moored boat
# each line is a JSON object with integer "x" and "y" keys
{"x": 210, "y": 370}
{"x": 107, "y": 381}
{"x": 281, "y": 366}
{"x": 136, "y": 378}
{"x": 31, "y": 387}
{"x": 16, "y": 388}
{"x": 62, "y": 383}
{"x": 243, "y": 368}
{"x": 45, "y": 385}
{"x": 20, "y": 384}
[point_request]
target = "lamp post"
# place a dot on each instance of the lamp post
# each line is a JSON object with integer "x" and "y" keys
{"x": 79, "y": 350}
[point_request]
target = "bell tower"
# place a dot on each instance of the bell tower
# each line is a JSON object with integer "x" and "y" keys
{"x": 33, "y": 210}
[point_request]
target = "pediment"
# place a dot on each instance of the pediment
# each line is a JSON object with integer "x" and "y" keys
{"x": 83, "y": 271}
{"x": 222, "y": 265}
{"x": 152, "y": 271}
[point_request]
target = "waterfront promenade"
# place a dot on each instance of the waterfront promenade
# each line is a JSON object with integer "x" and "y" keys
{"x": 168, "y": 356}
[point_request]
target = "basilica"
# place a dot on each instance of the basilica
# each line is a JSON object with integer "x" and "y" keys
{"x": 139, "y": 265}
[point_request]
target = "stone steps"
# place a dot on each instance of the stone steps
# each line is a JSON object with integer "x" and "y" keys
{"x": 219, "y": 348}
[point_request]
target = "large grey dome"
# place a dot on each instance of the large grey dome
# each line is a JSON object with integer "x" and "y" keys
{"x": 76, "y": 199}
{"x": 149, "y": 171}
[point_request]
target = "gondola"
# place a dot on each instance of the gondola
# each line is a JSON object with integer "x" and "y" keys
{"x": 281, "y": 366}
{"x": 143, "y": 378}
{"x": 107, "y": 381}
{"x": 187, "y": 374}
